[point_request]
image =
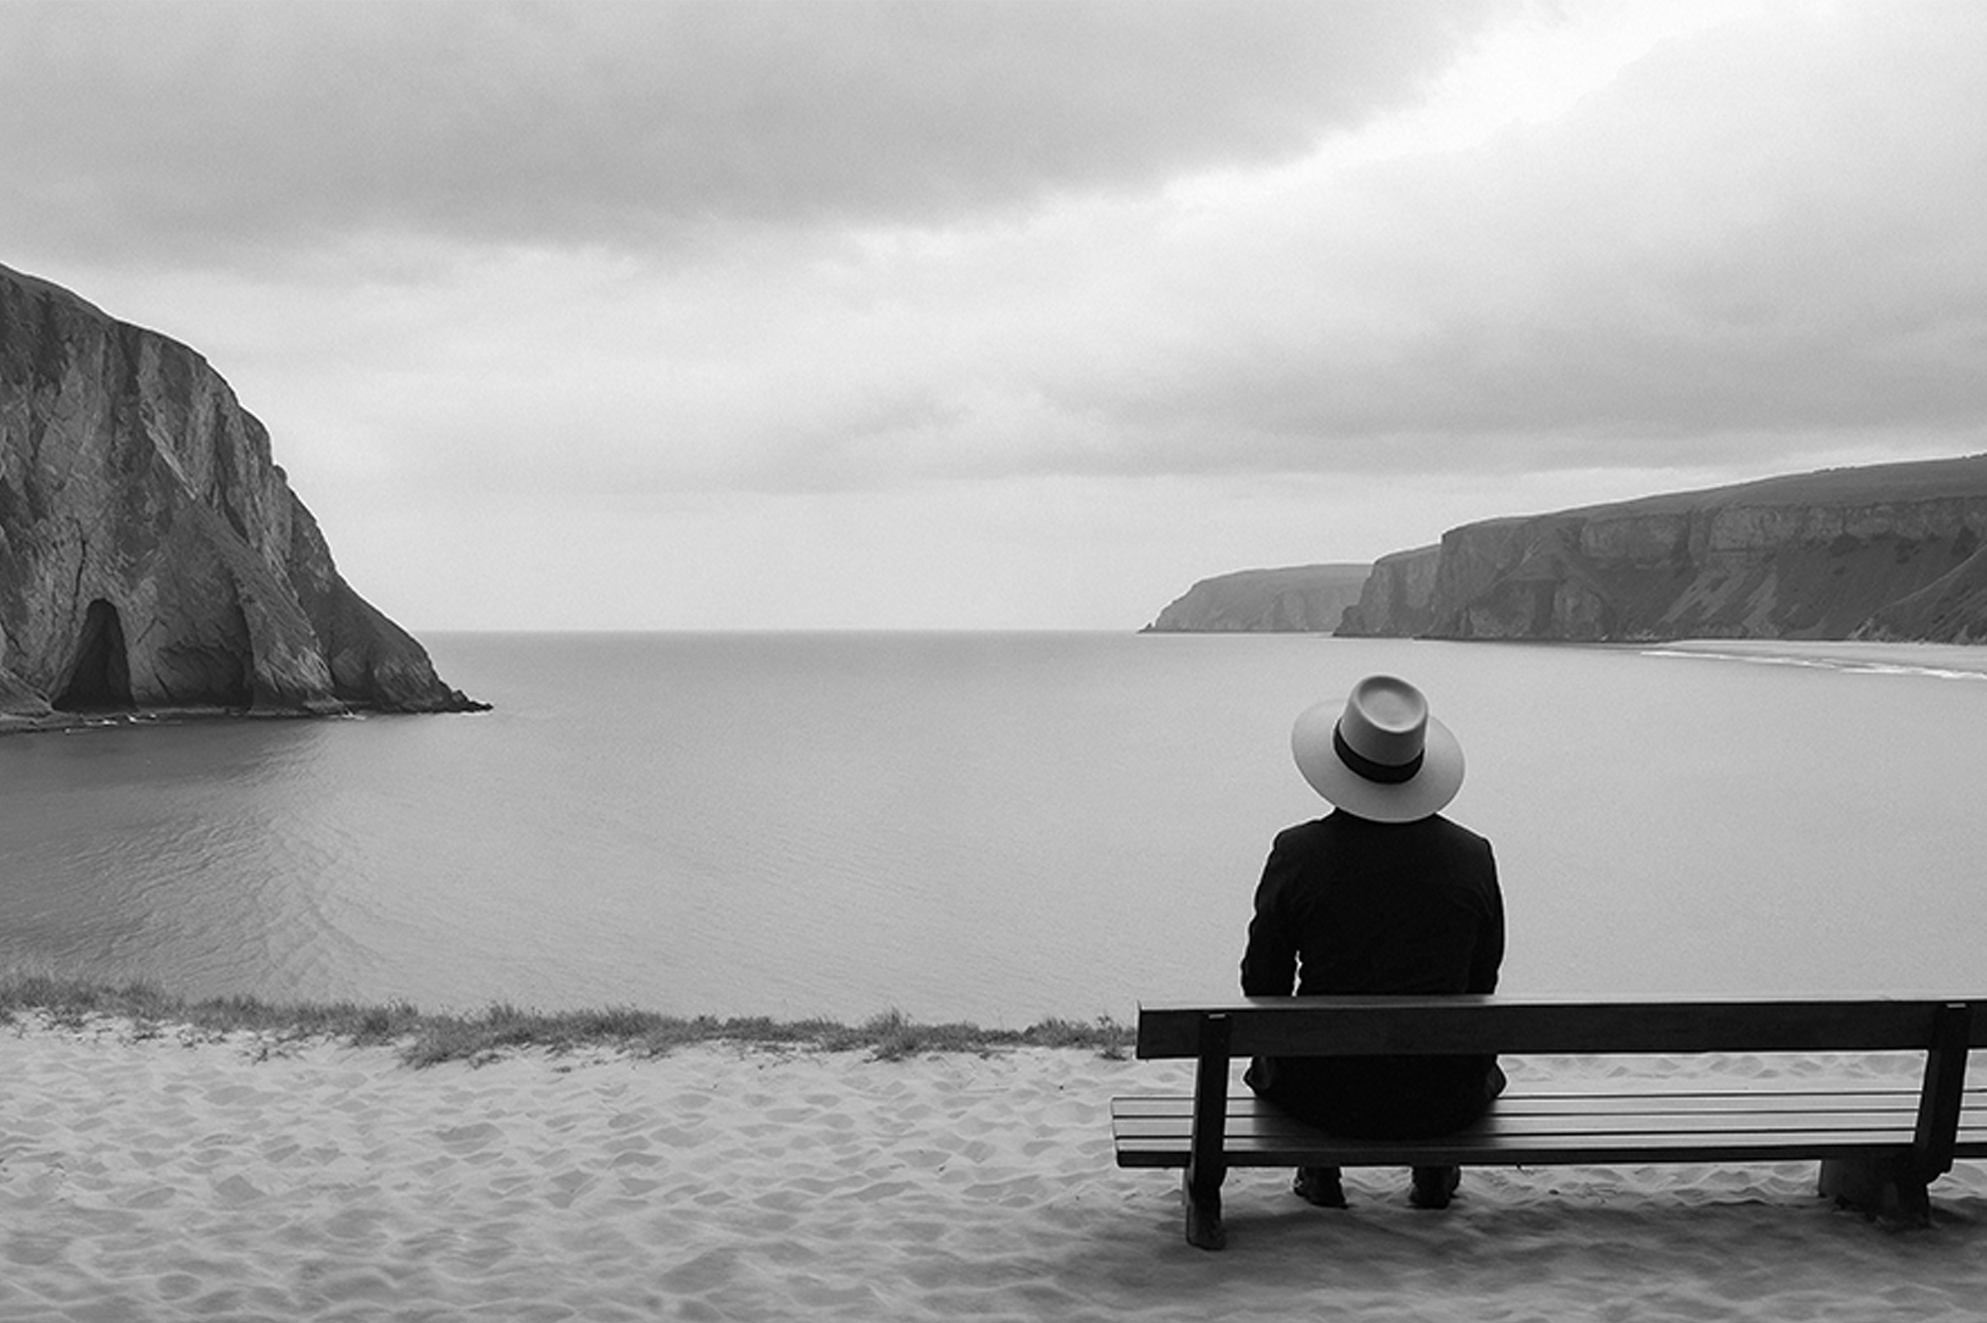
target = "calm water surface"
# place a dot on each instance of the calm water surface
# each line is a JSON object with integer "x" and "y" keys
{"x": 995, "y": 827}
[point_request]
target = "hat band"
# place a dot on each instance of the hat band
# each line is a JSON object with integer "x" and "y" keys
{"x": 1390, "y": 774}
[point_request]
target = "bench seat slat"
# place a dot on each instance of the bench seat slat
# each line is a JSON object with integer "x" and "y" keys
{"x": 1652, "y": 1138}
{"x": 1750, "y": 1102}
{"x": 1597, "y": 1151}
{"x": 1246, "y": 1112}
{"x": 1155, "y": 1131}
{"x": 1644, "y": 1123}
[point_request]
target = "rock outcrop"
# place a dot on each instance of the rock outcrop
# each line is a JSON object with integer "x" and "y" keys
{"x": 1890, "y": 551}
{"x": 152, "y": 556}
{"x": 1398, "y": 597}
{"x": 1296, "y": 599}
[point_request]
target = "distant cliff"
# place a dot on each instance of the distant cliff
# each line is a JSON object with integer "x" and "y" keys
{"x": 152, "y": 556}
{"x": 1890, "y": 551}
{"x": 1294, "y": 599}
{"x": 1397, "y": 599}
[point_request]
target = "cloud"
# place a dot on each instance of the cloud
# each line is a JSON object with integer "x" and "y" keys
{"x": 747, "y": 283}
{"x": 1762, "y": 230}
{"x": 1766, "y": 229}
{"x": 236, "y": 129}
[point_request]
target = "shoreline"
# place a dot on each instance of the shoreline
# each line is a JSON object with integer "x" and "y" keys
{"x": 69, "y": 723}
{"x": 1856, "y": 656}
{"x": 146, "y": 1174}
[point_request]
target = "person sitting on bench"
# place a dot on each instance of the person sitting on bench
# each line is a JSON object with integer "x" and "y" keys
{"x": 1383, "y": 895}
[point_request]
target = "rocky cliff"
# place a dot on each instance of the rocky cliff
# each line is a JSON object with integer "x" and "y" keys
{"x": 1398, "y": 597}
{"x": 1890, "y": 551}
{"x": 1295, "y": 599}
{"x": 151, "y": 554}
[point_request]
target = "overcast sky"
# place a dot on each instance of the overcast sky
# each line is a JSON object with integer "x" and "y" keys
{"x": 963, "y": 313}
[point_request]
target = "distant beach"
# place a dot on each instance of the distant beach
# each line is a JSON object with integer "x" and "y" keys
{"x": 158, "y": 1174}
{"x": 1939, "y": 660}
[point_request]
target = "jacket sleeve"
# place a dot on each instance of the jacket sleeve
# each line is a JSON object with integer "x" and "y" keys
{"x": 1488, "y": 955}
{"x": 1269, "y": 965}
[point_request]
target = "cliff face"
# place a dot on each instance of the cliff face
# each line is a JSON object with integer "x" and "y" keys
{"x": 151, "y": 553}
{"x": 1295, "y": 599}
{"x": 1397, "y": 599}
{"x": 1891, "y": 551}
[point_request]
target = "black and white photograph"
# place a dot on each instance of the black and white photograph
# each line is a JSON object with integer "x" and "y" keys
{"x": 993, "y": 659}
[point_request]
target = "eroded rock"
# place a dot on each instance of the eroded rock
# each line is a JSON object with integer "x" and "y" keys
{"x": 152, "y": 555}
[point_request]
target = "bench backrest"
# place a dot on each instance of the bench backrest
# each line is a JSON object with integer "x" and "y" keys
{"x": 1356, "y": 1026}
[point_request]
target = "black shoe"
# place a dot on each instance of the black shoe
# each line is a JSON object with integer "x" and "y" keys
{"x": 1320, "y": 1186}
{"x": 1433, "y": 1187}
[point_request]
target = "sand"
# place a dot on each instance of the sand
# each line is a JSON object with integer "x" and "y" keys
{"x": 169, "y": 1178}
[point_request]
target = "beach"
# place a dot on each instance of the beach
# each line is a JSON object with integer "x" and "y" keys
{"x": 153, "y": 1174}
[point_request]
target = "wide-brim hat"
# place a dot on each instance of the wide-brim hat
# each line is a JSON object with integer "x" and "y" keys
{"x": 1379, "y": 755}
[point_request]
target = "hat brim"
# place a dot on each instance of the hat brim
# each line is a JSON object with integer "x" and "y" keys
{"x": 1427, "y": 791}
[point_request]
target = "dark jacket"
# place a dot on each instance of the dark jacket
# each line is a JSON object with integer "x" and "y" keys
{"x": 1351, "y": 906}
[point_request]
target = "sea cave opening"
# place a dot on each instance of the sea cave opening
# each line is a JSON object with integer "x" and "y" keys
{"x": 100, "y": 679}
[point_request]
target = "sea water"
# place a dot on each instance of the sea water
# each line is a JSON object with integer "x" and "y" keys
{"x": 996, "y": 827}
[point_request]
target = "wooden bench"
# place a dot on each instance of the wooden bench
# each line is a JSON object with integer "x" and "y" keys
{"x": 1879, "y": 1147}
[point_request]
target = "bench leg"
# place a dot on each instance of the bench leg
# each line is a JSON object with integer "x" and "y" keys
{"x": 1206, "y": 1165}
{"x": 1878, "y": 1187}
{"x": 1203, "y": 1201}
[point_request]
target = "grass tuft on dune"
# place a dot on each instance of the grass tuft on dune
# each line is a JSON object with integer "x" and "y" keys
{"x": 428, "y": 1039}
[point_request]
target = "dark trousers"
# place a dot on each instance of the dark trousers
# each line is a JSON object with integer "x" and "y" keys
{"x": 1380, "y": 1097}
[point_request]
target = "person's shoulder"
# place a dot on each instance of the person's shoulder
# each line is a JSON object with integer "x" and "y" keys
{"x": 1304, "y": 835}
{"x": 1455, "y": 831}
{"x": 1454, "y": 836}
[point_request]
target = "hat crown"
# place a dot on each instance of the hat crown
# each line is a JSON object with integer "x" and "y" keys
{"x": 1380, "y": 754}
{"x": 1385, "y": 721}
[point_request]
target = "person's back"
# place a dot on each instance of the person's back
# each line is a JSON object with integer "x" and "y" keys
{"x": 1377, "y": 907}
{"x": 1383, "y": 896}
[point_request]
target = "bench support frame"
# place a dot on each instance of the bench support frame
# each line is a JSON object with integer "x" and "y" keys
{"x": 1898, "y": 1185}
